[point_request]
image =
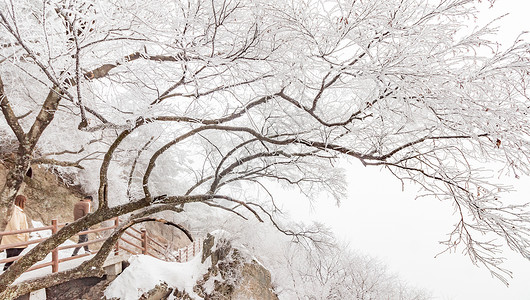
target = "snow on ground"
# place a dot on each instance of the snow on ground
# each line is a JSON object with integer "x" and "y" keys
{"x": 62, "y": 254}
{"x": 145, "y": 272}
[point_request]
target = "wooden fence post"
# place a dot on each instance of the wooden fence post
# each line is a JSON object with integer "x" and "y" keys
{"x": 55, "y": 252}
{"x": 144, "y": 241}
{"x": 117, "y": 247}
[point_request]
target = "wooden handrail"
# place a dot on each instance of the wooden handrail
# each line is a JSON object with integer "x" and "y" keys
{"x": 155, "y": 242}
{"x": 135, "y": 230}
{"x": 157, "y": 248}
{"x": 117, "y": 246}
{"x": 40, "y": 266}
{"x": 131, "y": 243}
{"x": 20, "y": 245}
{"x": 82, "y": 244}
{"x": 154, "y": 255}
{"x": 184, "y": 254}
{"x": 13, "y": 258}
{"x": 123, "y": 248}
{"x": 145, "y": 243}
{"x": 96, "y": 230}
{"x": 74, "y": 257}
{"x": 55, "y": 252}
{"x": 159, "y": 251}
{"x": 149, "y": 245}
{"x": 134, "y": 236}
{"x": 12, "y": 232}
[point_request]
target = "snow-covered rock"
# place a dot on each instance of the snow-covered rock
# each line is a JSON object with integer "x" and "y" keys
{"x": 222, "y": 271}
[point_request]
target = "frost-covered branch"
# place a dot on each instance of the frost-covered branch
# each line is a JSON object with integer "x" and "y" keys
{"x": 245, "y": 96}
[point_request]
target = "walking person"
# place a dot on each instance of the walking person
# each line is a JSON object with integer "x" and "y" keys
{"x": 81, "y": 209}
{"x": 18, "y": 221}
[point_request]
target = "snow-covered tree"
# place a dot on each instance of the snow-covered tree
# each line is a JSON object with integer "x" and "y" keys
{"x": 158, "y": 104}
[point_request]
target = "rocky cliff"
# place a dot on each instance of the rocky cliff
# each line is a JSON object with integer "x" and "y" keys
{"x": 234, "y": 273}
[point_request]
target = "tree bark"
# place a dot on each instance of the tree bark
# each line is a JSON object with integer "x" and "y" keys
{"x": 14, "y": 181}
{"x": 26, "y": 145}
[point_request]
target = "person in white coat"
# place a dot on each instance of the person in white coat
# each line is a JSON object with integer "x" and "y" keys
{"x": 18, "y": 221}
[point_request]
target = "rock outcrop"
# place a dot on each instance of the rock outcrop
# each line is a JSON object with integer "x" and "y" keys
{"x": 233, "y": 274}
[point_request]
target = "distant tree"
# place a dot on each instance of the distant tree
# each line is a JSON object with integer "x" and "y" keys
{"x": 342, "y": 274}
{"x": 179, "y": 102}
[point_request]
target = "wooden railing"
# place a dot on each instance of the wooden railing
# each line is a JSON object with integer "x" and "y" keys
{"x": 133, "y": 241}
{"x": 136, "y": 241}
{"x": 188, "y": 252}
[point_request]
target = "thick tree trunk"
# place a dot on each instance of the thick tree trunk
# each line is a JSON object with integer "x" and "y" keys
{"x": 26, "y": 145}
{"x": 6, "y": 205}
{"x": 13, "y": 183}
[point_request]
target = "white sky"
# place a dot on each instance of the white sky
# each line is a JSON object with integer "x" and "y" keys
{"x": 380, "y": 220}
